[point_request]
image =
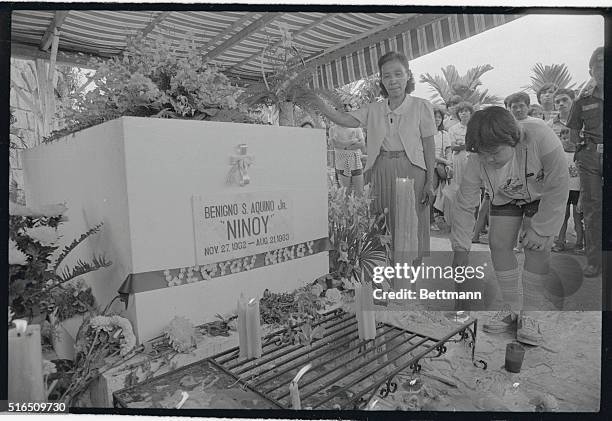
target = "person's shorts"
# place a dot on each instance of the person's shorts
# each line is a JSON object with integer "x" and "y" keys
{"x": 574, "y": 195}
{"x": 353, "y": 172}
{"x": 511, "y": 209}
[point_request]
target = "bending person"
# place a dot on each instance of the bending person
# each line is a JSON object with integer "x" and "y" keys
{"x": 524, "y": 169}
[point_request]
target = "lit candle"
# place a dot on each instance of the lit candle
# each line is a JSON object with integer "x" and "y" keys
{"x": 24, "y": 366}
{"x": 253, "y": 330}
{"x": 21, "y": 325}
{"x": 242, "y": 327}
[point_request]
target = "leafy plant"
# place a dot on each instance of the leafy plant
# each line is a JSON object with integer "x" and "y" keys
{"x": 466, "y": 86}
{"x": 306, "y": 334}
{"x": 557, "y": 74}
{"x": 360, "y": 92}
{"x": 36, "y": 285}
{"x": 72, "y": 299}
{"x": 286, "y": 86}
{"x": 360, "y": 240}
{"x": 150, "y": 80}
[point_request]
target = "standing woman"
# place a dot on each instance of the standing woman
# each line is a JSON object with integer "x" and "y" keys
{"x": 400, "y": 143}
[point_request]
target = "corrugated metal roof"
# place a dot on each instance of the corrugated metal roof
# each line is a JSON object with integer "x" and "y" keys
{"x": 338, "y": 47}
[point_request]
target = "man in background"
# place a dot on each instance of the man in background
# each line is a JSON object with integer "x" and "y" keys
{"x": 586, "y": 124}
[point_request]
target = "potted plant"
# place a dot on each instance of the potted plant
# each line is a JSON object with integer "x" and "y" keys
{"x": 287, "y": 85}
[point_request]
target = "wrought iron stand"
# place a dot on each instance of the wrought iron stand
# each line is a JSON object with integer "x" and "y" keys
{"x": 344, "y": 373}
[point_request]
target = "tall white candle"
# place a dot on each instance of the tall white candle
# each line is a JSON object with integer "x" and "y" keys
{"x": 358, "y": 304}
{"x": 369, "y": 319}
{"x": 294, "y": 392}
{"x": 25, "y": 373}
{"x": 242, "y": 327}
{"x": 253, "y": 329}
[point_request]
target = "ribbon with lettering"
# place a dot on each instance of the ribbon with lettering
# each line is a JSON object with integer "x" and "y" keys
{"x": 148, "y": 281}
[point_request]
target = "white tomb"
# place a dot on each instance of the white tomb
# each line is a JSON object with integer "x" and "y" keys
{"x": 161, "y": 189}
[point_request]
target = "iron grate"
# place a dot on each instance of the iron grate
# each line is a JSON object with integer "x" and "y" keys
{"x": 345, "y": 372}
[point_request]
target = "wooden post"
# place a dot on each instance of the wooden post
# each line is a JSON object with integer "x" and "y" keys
{"x": 25, "y": 376}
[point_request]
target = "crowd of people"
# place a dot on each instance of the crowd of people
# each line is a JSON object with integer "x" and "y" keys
{"x": 521, "y": 170}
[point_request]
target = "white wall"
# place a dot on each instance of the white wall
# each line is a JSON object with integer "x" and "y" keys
{"x": 87, "y": 171}
{"x": 138, "y": 176}
{"x": 168, "y": 161}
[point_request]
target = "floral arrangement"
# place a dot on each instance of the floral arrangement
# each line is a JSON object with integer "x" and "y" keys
{"x": 360, "y": 239}
{"x": 180, "y": 334}
{"x": 99, "y": 339}
{"x": 150, "y": 80}
{"x": 38, "y": 282}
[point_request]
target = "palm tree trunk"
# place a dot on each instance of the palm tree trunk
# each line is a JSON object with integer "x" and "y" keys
{"x": 285, "y": 114}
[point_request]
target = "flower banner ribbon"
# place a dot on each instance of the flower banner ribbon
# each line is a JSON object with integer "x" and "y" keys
{"x": 240, "y": 165}
{"x": 148, "y": 281}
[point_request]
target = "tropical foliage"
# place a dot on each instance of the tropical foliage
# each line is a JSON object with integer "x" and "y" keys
{"x": 360, "y": 240}
{"x": 557, "y": 74}
{"x": 39, "y": 281}
{"x": 287, "y": 85}
{"x": 468, "y": 86}
{"x": 360, "y": 92}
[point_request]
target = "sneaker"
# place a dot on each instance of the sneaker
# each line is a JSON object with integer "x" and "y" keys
{"x": 434, "y": 227}
{"x": 528, "y": 331}
{"x": 579, "y": 249}
{"x": 503, "y": 321}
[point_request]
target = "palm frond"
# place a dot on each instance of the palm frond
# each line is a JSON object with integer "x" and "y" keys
{"x": 74, "y": 245}
{"x": 557, "y": 74}
{"x": 451, "y": 74}
{"x": 437, "y": 84}
{"x": 81, "y": 268}
{"x": 482, "y": 96}
{"x": 473, "y": 75}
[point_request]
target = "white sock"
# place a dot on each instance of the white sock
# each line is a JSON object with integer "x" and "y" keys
{"x": 508, "y": 281}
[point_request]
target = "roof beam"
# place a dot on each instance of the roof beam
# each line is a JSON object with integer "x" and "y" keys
{"x": 56, "y": 24}
{"x": 356, "y": 44}
{"x": 221, "y": 35}
{"x": 29, "y": 52}
{"x": 248, "y": 30}
{"x": 308, "y": 27}
{"x": 156, "y": 20}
